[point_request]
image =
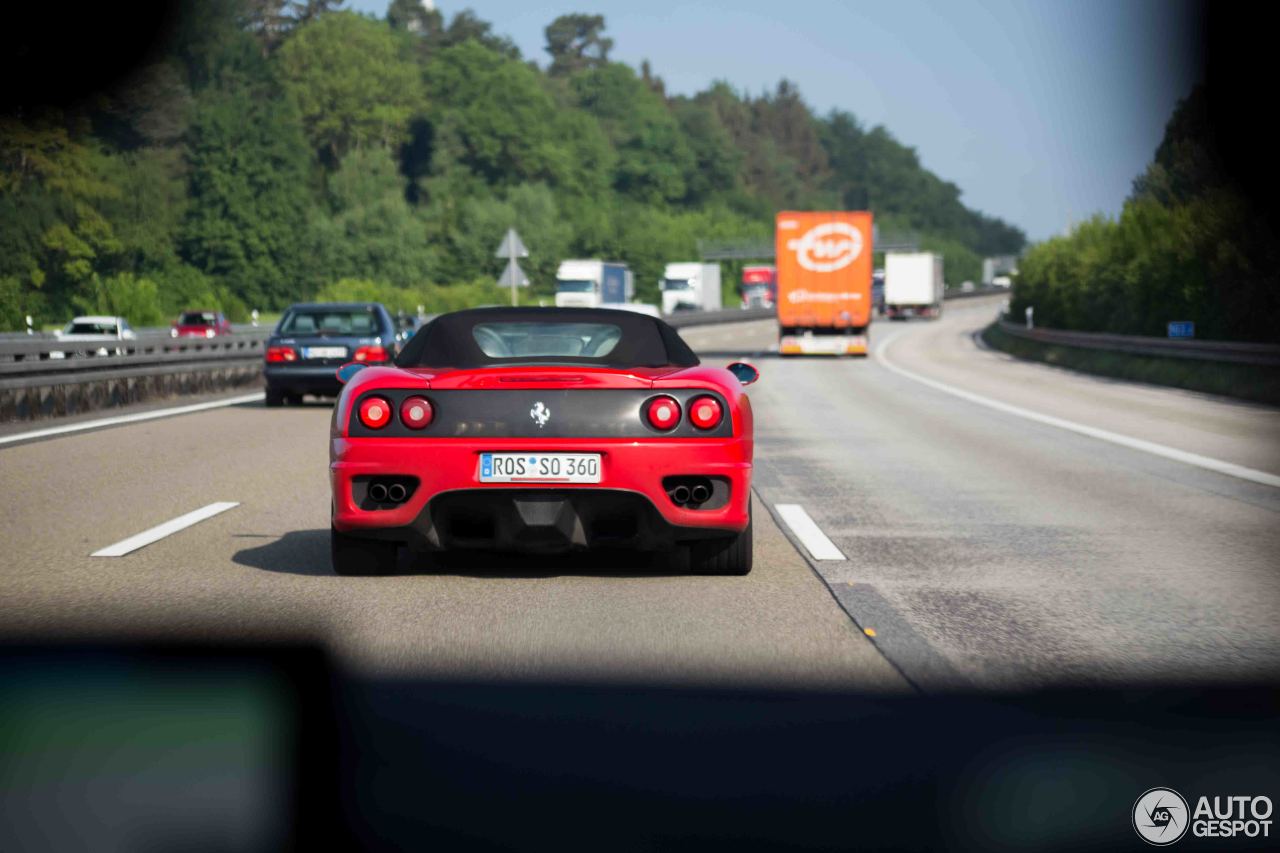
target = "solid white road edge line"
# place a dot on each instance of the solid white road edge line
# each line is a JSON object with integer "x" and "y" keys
{"x": 1208, "y": 463}
{"x": 160, "y": 531}
{"x": 808, "y": 532}
{"x": 129, "y": 419}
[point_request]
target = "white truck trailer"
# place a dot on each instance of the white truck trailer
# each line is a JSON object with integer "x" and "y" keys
{"x": 913, "y": 285}
{"x": 691, "y": 287}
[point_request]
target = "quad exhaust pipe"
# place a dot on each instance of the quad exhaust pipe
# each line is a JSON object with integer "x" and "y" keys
{"x": 382, "y": 492}
{"x": 689, "y": 491}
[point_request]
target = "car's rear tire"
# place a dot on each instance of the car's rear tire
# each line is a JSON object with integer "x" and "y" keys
{"x": 355, "y": 557}
{"x": 726, "y": 556}
{"x": 274, "y": 397}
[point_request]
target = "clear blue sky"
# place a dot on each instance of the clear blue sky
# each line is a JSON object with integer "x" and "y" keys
{"x": 1042, "y": 112}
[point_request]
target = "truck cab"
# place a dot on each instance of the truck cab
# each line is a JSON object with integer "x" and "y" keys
{"x": 690, "y": 287}
{"x": 759, "y": 288}
{"x": 593, "y": 283}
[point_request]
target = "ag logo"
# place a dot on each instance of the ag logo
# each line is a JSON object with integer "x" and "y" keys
{"x": 827, "y": 247}
{"x": 1160, "y": 816}
{"x": 540, "y": 414}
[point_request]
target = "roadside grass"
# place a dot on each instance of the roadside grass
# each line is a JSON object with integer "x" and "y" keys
{"x": 1256, "y": 383}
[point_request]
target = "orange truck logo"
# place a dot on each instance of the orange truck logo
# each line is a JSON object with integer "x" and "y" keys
{"x": 827, "y": 247}
{"x": 824, "y": 281}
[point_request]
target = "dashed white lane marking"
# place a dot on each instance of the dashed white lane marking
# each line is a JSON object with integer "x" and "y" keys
{"x": 129, "y": 419}
{"x": 808, "y": 532}
{"x": 160, "y": 531}
{"x": 1208, "y": 463}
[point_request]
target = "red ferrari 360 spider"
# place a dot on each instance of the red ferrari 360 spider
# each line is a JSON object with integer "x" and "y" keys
{"x": 543, "y": 430}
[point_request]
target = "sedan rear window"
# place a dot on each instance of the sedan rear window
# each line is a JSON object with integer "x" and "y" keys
{"x": 92, "y": 329}
{"x": 546, "y": 340}
{"x": 197, "y": 318}
{"x": 342, "y": 321}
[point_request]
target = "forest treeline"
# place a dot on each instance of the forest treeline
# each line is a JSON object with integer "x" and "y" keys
{"x": 275, "y": 151}
{"x": 1188, "y": 244}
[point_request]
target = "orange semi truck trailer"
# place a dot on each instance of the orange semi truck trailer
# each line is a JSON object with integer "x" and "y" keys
{"x": 824, "y": 282}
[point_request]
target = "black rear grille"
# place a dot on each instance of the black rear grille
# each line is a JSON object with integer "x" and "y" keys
{"x": 551, "y": 413}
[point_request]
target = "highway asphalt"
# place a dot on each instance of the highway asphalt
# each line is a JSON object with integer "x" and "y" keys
{"x": 982, "y": 548}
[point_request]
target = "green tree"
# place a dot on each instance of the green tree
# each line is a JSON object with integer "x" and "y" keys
{"x": 370, "y": 230}
{"x": 577, "y": 43}
{"x": 491, "y": 117}
{"x": 653, "y": 155}
{"x": 249, "y": 204}
{"x": 354, "y": 82}
{"x": 51, "y": 192}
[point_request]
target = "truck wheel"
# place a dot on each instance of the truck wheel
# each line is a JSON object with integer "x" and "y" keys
{"x": 361, "y": 557}
{"x": 274, "y": 397}
{"x": 731, "y": 556}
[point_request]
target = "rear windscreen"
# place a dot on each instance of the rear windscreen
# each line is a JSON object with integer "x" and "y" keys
{"x": 193, "y": 319}
{"x": 555, "y": 340}
{"x": 320, "y": 321}
{"x": 486, "y": 337}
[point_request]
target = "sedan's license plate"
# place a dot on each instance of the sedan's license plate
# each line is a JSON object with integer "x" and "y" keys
{"x": 324, "y": 352}
{"x": 539, "y": 467}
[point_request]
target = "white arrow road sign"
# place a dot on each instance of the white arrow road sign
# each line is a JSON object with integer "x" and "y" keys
{"x": 513, "y": 276}
{"x": 511, "y": 246}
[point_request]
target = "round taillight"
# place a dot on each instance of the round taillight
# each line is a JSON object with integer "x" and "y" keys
{"x": 705, "y": 412}
{"x": 375, "y": 412}
{"x": 663, "y": 413}
{"x": 415, "y": 412}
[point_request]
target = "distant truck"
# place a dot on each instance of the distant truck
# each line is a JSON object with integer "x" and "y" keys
{"x": 593, "y": 284}
{"x": 913, "y": 285}
{"x": 691, "y": 287}
{"x": 759, "y": 288}
{"x": 824, "y": 282}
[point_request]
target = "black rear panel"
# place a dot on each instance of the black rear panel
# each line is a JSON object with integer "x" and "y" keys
{"x": 564, "y": 413}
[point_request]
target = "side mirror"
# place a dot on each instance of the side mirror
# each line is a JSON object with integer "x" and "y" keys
{"x": 746, "y": 373}
{"x": 348, "y": 370}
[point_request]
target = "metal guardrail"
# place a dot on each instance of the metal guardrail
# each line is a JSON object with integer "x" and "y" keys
{"x": 25, "y": 357}
{"x": 33, "y": 361}
{"x": 977, "y": 291}
{"x": 682, "y": 319}
{"x": 1224, "y": 351}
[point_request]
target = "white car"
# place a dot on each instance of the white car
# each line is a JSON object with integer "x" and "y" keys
{"x": 95, "y": 329}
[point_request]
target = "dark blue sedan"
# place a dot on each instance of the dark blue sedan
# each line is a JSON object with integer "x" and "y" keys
{"x": 314, "y": 339}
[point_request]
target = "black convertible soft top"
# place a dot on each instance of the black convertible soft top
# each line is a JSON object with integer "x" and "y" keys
{"x": 450, "y": 340}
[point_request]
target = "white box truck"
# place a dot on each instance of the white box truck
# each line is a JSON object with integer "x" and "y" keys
{"x": 691, "y": 287}
{"x": 913, "y": 285}
{"x": 593, "y": 284}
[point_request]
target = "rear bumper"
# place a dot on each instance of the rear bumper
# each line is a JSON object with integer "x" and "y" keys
{"x": 449, "y": 508}
{"x": 303, "y": 380}
{"x": 854, "y": 343}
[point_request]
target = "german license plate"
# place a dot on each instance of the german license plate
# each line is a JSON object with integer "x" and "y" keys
{"x": 324, "y": 352}
{"x": 539, "y": 467}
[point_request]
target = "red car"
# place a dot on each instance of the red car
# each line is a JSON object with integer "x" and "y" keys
{"x": 200, "y": 324}
{"x": 543, "y": 430}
